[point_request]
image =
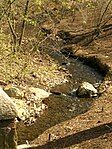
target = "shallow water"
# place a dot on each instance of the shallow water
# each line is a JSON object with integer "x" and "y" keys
{"x": 62, "y": 107}
{"x": 80, "y": 73}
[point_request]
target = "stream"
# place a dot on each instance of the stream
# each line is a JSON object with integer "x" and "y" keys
{"x": 62, "y": 107}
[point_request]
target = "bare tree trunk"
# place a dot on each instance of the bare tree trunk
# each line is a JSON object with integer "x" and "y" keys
{"x": 14, "y": 36}
{"x": 24, "y": 21}
{"x": 12, "y": 27}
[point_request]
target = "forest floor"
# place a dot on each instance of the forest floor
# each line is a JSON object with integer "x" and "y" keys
{"x": 90, "y": 130}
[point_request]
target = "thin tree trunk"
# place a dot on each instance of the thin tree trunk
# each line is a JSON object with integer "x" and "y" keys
{"x": 24, "y": 21}
{"x": 14, "y": 36}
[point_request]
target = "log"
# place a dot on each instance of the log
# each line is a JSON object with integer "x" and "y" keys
{"x": 85, "y": 37}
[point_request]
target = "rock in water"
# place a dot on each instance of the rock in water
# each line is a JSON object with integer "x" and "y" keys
{"x": 86, "y": 90}
{"x": 7, "y": 107}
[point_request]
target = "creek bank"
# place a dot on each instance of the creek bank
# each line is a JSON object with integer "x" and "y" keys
{"x": 100, "y": 63}
{"x": 91, "y": 60}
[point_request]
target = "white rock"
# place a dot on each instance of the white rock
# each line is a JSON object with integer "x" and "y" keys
{"x": 22, "y": 108}
{"x": 86, "y": 90}
{"x": 40, "y": 93}
{"x": 89, "y": 86}
{"x": 8, "y": 108}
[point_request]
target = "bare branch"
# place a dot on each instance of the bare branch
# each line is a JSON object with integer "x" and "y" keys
{"x": 109, "y": 2}
{"x": 106, "y": 21}
{"x": 5, "y": 11}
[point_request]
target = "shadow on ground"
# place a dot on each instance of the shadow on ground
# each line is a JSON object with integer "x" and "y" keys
{"x": 76, "y": 138}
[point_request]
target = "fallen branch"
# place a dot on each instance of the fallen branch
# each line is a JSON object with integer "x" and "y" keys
{"x": 85, "y": 37}
{"x": 26, "y": 146}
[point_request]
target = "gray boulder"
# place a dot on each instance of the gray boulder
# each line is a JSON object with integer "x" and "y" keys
{"x": 8, "y": 109}
{"x": 86, "y": 90}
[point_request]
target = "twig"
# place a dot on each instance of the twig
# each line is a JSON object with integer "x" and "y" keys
{"x": 105, "y": 22}
{"x": 43, "y": 40}
{"x": 49, "y": 137}
{"x": 104, "y": 12}
{"x": 5, "y": 11}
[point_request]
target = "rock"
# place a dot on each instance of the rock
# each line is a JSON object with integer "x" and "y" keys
{"x": 33, "y": 105}
{"x": 86, "y": 90}
{"x": 22, "y": 108}
{"x": 8, "y": 109}
{"x": 39, "y": 93}
{"x": 25, "y": 108}
{"x": 13, "y": 91}
{"x": 72, "y": 93}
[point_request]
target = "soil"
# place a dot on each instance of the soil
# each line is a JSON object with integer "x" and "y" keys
{"x": 90, "y": 130}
